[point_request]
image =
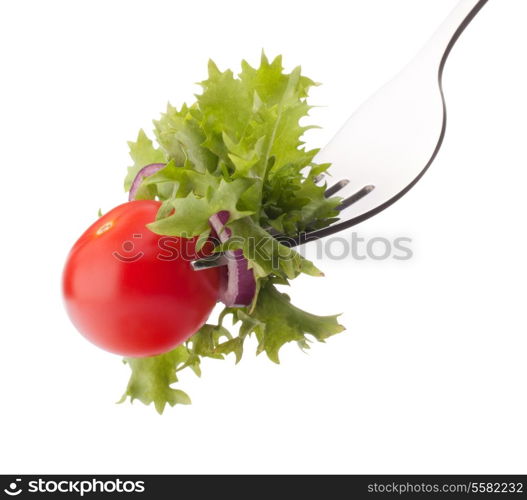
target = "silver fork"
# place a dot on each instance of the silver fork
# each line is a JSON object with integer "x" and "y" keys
{"x": 387, "y": 145}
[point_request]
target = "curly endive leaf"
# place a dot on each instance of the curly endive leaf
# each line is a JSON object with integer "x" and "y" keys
{"x": 143, "y": 153}
{"x": 275, "y": 321}
{"x": 151, "y": 379}
{"x": 281, "y": 322}
{"x": 239, "y": 147}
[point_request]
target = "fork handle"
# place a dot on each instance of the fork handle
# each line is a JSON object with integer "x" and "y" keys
{"x": 438, "y": 48}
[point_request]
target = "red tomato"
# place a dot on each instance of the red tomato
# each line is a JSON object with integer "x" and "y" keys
{"x": 133, "y": 292}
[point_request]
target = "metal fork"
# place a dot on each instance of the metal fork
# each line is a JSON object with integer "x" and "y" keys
{"x": 387, "y": 145}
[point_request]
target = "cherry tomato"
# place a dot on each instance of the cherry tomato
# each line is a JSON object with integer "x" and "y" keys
{"x": 133, "y": 292}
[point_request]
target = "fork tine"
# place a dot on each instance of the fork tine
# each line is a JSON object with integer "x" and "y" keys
{"x": 336, "y": 187}
{"x": 361, "y": 193}
{"x": 219, "y": 260}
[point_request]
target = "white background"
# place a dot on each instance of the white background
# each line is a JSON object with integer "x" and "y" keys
{"x": 430, "y": 375}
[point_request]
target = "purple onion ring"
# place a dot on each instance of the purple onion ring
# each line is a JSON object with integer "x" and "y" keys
{"x": 144, "y": 172}
{"x": 238, "y": 285}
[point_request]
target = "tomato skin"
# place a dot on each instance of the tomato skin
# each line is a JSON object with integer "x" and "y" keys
{"x": 127, "y": 292}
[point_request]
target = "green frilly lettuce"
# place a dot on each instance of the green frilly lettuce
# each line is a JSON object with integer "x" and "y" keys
{"x": 237, "y": 148}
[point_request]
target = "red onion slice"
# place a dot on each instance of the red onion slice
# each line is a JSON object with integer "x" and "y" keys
{"x": 238, "y": 285}
{"x": 144, "y": 172}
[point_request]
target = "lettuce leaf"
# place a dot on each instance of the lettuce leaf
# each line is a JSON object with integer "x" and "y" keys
{"x": 239, "y": 148}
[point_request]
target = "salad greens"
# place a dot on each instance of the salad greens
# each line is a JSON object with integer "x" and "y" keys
{"x": 237, "y": 148}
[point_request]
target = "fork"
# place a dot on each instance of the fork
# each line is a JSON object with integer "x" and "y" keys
{"x": 391, "y": 140}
